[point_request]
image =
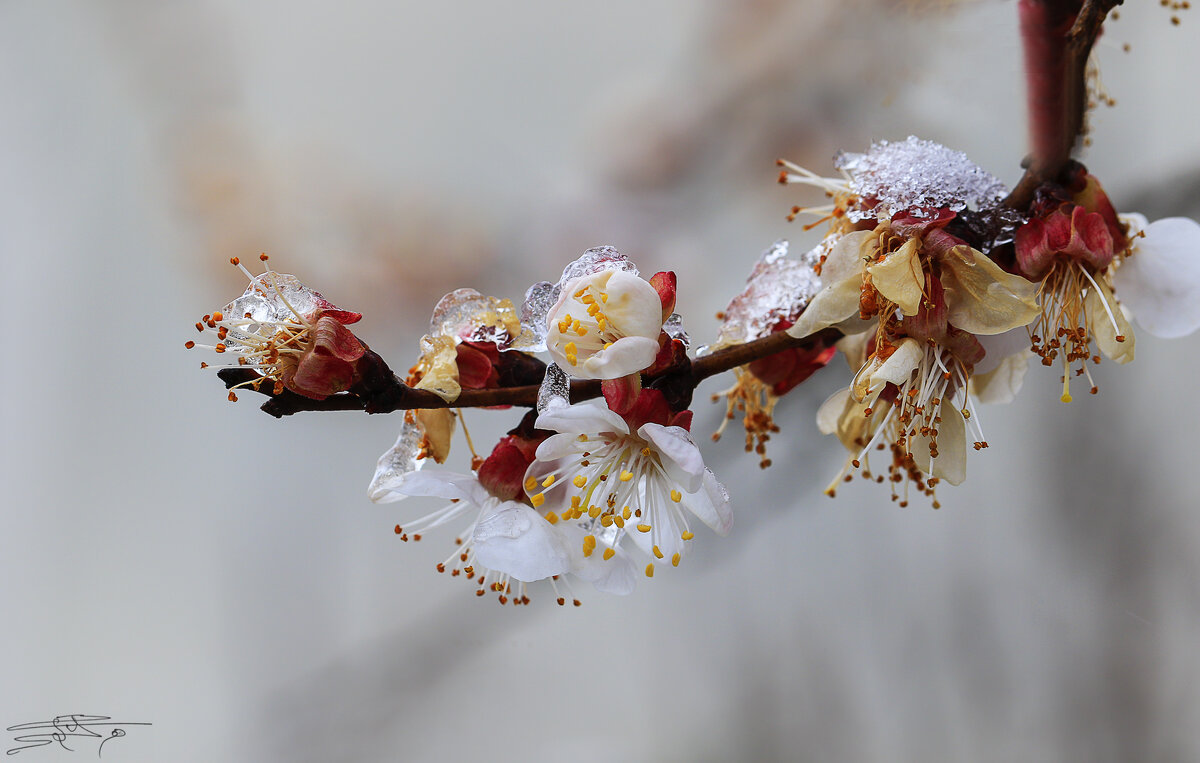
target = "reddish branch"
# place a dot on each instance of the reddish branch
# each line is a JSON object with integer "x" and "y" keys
{"x": 1058, "y": 36}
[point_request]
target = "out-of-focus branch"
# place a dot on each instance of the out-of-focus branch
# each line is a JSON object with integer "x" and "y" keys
{"x": 383, "y": 392}
{"x": 1057, "y": 36}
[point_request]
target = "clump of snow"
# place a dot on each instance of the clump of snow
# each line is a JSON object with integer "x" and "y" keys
{"x": 916, "y": 173}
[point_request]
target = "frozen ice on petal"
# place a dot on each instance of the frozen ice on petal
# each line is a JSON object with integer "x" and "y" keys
{"x": 469, "y": 316}
{"x": 555, "y": 390}
{"x": 596, "y": 260}
{"x": 674, "y": 328}
{"x": 396, "y": 464}
{"x": 539, "y": 298}
{"x": 918, "y": 173}
{"x": 778, "y": 289}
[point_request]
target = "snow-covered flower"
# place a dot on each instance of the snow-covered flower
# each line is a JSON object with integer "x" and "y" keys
{"x": 1159, "y": 277}
{"x": 288, "y": 334}
{"x": 605, "y": 325}
{"x": 620, "y": 483}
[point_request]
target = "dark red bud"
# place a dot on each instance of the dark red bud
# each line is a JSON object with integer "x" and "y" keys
{"x": 327, "y": 365}
{"x": 620, "y": 394}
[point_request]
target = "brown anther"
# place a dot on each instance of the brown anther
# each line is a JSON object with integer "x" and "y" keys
{"x": 199, "y": 326}
{"x": 189, "y": 345}
{"x": 232, "y": 397}
{"x": 561, "y": 601}
{"x": 263, "y": 257}
{"x": 577, "y": 602}
{"x": 234, "y": 261}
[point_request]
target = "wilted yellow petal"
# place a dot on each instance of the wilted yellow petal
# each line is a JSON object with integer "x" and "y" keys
{"x": 439, "y": 367}
{"x": 832, "y": 305}
{"x": 951, "y": 462}
{"x": 438, "y": 427}
{"x": 899, "y": 278}
{"x": 896, "y": 369}
{"x": 1101, "y": 324}
{"x": 983, "y": 299}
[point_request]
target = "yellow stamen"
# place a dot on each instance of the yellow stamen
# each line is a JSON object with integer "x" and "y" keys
{"x": 589, "y": 545}
{"x": 658, "y": 552}
{"x": 675, "y": 560}
{"x": 626, "y": 476}
{"x": 551, "y": 517}
{"x": 530, "y": 483}
{"x": 650, "y": 570}
{"x": 580, "y": 481}
{"x": 548, "y": 481}
{"x": 626, "y": 513}
{"x": 609, "y": 554}
{"x": 643, "y": 528}
{"x": 537, "y": 499}
{"x": 688, "y": 535}
{"x": 676, "y": 496}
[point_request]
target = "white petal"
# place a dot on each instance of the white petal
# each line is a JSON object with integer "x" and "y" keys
{"x": 1160, "y": 281}
{"x": 830, "y": 412}
{"x": 1001, "y": 384}
{"x": 900, "y": 364}
{"x": 633, "y": 307}
{"x": 615, "y": 575}
{"x": 711, "y": 505}
{"x": 680, "y": 456}
{"x": 581, "y": 418}
{"x": 849, "y": 256}
{"x": 558, "y": 446}
{"x": 518, "y": 541}
{"x": 999, "y": 347}
{"x": 627, "y": 355}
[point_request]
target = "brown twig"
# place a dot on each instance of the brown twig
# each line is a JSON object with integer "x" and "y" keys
{"x": 385, "y": 393}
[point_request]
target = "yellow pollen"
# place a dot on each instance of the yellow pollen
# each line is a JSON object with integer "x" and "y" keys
{"x": 589, "y": 545}
{"x": 579, "y": 481}
{"x": 606, "y": 520}
{"x": 537, "y": 499}
{"x": 675, "y": 560}
{"x": 581, "y": 292}
{"x": 619, "y": 522}
{"x": 564, "y": 324}
{"x": 570, "y": 348}
{"x": 530, "y": 483}
{"x": 583, "y": 438}
{"x": 650, "y": 570}
{"x": 576, "y": 501}
{"x": 604, "y": 296}
{"x": 626, "y": 476}
{"x": 579, "y": 329}
{"x": 548, "y": 481}
{"x": 593, "y": 511}
{"x": 688, "y": 535}
{"x": 573, "y": 359}
{"x": 551, "y": 517}
{"x": 658, "y": 552}
{"x": 601, "y": 321}
{"x": 676, "y": 496}
{"x": 609, "y": 554}
{"x": 646, "y": 451}
{"x": 593, "y": 309}
{"x": 626, "y": 513}
{"x": 643, "y": 528}
{"x": 588, "y": 299}
{"x": 607, "y": 345}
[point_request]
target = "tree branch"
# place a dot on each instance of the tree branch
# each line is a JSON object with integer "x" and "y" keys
{"x": 1057, "y": 36}
{"x": 384, "y": 392}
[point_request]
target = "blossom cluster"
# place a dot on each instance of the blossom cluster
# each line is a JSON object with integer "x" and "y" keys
{"x": 938, "y": 294}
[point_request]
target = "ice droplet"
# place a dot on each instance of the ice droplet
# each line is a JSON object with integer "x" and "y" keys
{"x": 469, "y": 316}
{"x": 397, "y": 463}
{"x": 778, "y": 289}
{"x": 540, "y": 297}
{"x": 674, "y": 328}
{"x": 555, "y": 390}
{"x": 918, "y": 173}
{"x": 271, "y": 299}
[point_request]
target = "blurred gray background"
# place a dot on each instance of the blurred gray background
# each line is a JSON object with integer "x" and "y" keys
{"x": 170, "y": 558}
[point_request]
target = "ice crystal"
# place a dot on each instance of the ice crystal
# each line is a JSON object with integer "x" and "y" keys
{"x": 778, "y": 289}
{"x": 397, "y": 463}
{"x": 596, "y": 260}
{"x": 555, "y": 390}
{"x": 918, "y": 173}
{"x": 674, "y": 328}
{"x": 467, "y": 315}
